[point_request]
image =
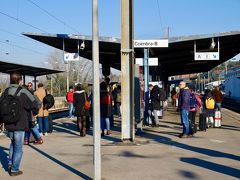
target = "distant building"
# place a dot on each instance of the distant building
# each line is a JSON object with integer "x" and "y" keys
{"x": 211, "y": 85}
{"x": 232, "y": 83}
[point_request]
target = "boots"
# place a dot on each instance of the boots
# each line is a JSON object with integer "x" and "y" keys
{"x": 39, "y": 141}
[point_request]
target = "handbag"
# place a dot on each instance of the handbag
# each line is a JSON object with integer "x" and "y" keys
{"x": 87, "y": 103}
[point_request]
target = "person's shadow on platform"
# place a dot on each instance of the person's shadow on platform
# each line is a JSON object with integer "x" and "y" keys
{"x": 199, "y": 162}
{"x": 73, "y": 170}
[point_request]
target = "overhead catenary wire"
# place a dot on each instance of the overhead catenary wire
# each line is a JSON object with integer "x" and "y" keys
{"x": 21, "y": 21}
{"x": 14, "y": 34}
{"x": 20, "y": 47}
{"x": 54, "y": 17}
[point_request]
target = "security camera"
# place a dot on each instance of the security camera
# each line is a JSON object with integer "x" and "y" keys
{"x": 213, "y": 44}
{"x": 82, "y": 46}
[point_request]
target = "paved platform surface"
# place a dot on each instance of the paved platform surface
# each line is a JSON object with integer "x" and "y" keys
{"x": 158, "y": 153}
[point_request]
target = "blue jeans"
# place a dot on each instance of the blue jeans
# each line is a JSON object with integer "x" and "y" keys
{"x": 35, "y": 132}
{"x": 105, "y": 123}
{"x": 185, "y": 121}
{"x": 43, "y": 124}
{"x": 118, "y": 108}
{"x": 16, "y": 150}
{"x": 218, "y": 105}
{"x": 70, "y": 106}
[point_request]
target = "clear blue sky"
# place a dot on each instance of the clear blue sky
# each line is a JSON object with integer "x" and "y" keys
{"x": 151, "y": 17}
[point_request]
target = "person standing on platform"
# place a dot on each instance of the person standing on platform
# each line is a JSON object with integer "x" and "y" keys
{"x": 218, "y": 96}
{"x": 184, "y": 107}
{"x": 79, "y": 98}
{"x": 155, "y": 97}
{"x": 117, "y": 100}
{"x": 173, "y": 97}
{"x": 69, "y": 97}
{"x": 209, "y": 107}
{"x": 42, "y": 116}
{"x": 195, "y": 105}
{"x": 25, "y": 104}
{"x": 32, "y": 122}
{"x": 105, "y": 107}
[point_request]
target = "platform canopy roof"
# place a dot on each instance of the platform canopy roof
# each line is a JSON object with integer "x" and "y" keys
{"x": 177, "y": 59}
{"x": 7, "y": 67}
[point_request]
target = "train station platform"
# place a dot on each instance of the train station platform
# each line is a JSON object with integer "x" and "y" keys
{"x": 157, "y": 154}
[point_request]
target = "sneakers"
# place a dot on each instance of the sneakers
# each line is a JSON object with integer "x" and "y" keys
{"x": 39, "y": 141}
{"x": 16, "y": 173}
{"x": 45, "y": 134}
{"x": 41, "y": 134}
{"x": 9, "y": 168}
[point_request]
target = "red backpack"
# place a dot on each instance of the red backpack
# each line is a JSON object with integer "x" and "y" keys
{"x": 106, "y": 99}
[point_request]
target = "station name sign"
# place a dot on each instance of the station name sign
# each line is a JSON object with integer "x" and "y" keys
{"x": 150, "y": 43}
{"x": 206, "y": 56}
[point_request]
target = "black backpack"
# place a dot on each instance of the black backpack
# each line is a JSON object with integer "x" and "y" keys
{"x": 48, "y": 101}
{"x": 10, "y": 107}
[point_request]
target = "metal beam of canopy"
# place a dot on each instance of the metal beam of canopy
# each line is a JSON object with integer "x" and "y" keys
{"x": 177, "y": 59}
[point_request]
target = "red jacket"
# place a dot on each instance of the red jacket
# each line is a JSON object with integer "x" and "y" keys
{"x": 69, "y": 97}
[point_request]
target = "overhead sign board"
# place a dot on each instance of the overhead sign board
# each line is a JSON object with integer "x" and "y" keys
{"x": 71, "y": 56}
{"x": 151, "y": 61}
{"x": 151, "y": 43}
{"x": 206, "y": 56}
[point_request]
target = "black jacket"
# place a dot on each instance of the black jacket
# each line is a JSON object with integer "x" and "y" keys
{"x": 28, "y": 103}
{"x": 155, "y": 98}
{"x": 78, "y": 103}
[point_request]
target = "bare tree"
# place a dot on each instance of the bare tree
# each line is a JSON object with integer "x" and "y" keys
{"x": 4, "y": 82}
{"x": 79, "y": 71}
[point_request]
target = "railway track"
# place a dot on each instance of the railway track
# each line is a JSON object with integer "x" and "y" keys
{"x": 231, "y": 104}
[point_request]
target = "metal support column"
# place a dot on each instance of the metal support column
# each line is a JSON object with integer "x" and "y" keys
{"x": 127, "y": 76}
{"x": 96, "y": 92}
{"x": 146, "y": 82}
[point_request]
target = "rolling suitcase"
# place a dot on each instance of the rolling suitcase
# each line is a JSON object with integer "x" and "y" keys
{"x": 202, "y": 122}
{"x": 217, "y": 119}
{"x": 192, "y": 128}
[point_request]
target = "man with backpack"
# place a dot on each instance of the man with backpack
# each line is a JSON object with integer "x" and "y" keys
{"x": 184, "y": 107}
{"x": 209, "y": 106}
{"x": 15, "y": 104}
